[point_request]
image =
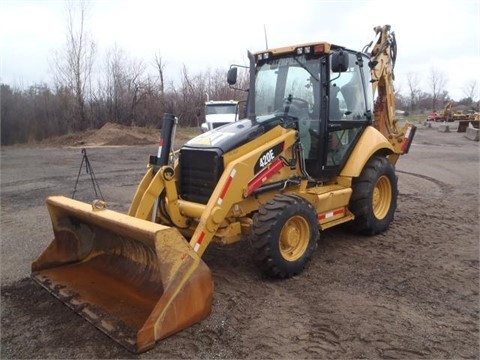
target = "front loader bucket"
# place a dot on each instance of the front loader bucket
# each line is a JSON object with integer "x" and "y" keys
{"x": 135, "y": 280}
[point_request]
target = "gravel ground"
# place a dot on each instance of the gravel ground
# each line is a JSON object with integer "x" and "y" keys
{"x": 412, "y": 292}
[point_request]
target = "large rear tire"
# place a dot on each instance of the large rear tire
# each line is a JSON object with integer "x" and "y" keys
{"x": 284, "y": 233}
{"x": 374, "y": 198}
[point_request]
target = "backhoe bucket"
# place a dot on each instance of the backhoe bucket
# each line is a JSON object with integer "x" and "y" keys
{"x": 135, "y": 280}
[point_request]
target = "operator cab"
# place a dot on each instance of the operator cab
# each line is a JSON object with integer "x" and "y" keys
{"x": 321, "y": 90}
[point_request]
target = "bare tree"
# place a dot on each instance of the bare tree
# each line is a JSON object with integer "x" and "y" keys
{"x": 73, "y": 64}
{"x": 160, "y": 66}
{"x": 413, "y": 82}
{"x": 135, "y": 87}
{"x": 437, "y": 81}
{"x": 470, "y": 90}
{"x": 124, "y": 86}
{"x": 114, "y": 83}
{"x": 161, "y": 72}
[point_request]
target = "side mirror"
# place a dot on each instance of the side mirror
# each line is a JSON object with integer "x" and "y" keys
{"x": 232, "y": 76}
{"x": 339, "y": 61}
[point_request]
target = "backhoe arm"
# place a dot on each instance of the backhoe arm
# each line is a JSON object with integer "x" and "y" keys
{"x": 382, "y": 64}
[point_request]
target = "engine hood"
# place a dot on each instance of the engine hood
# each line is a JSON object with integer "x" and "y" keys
{"x": 227, "y": 137}
{"x": 220, "y": 117}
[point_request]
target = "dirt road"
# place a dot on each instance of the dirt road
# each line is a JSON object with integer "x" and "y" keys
{"x": 412, "y": 292}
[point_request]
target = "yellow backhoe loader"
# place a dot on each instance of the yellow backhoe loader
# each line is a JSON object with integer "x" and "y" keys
{"x": 315, "y": 152}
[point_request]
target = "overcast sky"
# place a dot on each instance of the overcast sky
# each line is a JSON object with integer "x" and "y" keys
{"x": 441, "y": 35}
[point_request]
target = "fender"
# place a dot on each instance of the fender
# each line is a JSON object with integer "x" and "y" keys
{"x": 371, "y": 142}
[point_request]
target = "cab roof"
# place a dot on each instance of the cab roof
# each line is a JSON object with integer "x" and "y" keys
{"x": 315, "y": 47}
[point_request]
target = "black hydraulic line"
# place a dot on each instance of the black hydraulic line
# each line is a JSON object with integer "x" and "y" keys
{"x": 167, "y": 131}
{"x": 166, "y": 142}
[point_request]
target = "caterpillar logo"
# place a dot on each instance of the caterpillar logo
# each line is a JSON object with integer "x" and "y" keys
{"x": 267, "y": 157}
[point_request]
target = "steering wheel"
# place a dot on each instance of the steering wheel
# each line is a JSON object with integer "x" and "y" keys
{"x": 291, "y": 99}
{"x": 295, "y": 105}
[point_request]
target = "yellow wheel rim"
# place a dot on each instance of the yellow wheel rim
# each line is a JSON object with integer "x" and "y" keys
{"x": 382, "y": 197}
{"x": 294, "y": 238}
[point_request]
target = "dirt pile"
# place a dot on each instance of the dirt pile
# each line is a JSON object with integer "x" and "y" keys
{"x": 109, "y": 134}
{"x": 114, "y": 134}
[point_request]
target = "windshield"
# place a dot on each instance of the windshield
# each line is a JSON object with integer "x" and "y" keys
{"x": 221, "y": 109}
{"x": 283, "y": 82}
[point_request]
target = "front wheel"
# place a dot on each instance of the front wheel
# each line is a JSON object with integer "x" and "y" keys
{"x": 284, "y": 233}
{"x": 374, "y": 197}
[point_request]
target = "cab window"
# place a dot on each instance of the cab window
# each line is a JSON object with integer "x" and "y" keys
{"x": 347, "y": 98}
{"x": 348, "y": 111}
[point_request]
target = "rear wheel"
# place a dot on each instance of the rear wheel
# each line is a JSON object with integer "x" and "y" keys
{"x": 374, "y": 198}
{"x": 284, "y": 233}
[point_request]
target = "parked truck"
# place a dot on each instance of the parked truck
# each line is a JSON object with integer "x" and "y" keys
{"x": 219, "y": 113}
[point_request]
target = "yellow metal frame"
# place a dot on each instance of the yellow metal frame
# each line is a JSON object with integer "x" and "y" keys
{"x": 226, "y": 216}
{"x": 370, "y": 142}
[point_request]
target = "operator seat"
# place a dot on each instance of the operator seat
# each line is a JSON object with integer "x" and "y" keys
{"x": 335, "y": 113}
{"x": 304, "y": 122}
{"x": 304, "y": 134}
{"x": 301, "y": 112}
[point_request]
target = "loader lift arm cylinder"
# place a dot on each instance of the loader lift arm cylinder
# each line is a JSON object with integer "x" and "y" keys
{"x": 165, "y": 143}
{"x": 164, "y": 147}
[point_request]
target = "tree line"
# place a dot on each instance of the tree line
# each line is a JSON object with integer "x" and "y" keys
{"x": 126, "y": 94}
{"x": 40, "y": 111}
{"x": 88, "y": 92}
{"x": 417, "y": 100}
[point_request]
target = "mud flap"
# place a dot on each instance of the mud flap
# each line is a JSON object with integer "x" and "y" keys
{"x": 135, "y": 280}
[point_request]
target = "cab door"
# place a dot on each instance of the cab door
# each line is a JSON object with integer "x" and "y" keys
{"x": 349, "y": 112}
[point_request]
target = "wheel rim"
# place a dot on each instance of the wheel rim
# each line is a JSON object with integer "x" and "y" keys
{"x": 382, "y": 197}
{"x": 294, "y": 238}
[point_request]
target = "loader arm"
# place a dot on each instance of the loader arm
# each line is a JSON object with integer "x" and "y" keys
{"x": 149, "y": 191}
{"x": 237, "y": 182}
{"x": 158, "y": 180}
{"x": 235, "y": 185}
{"x": 145, "y": 195}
